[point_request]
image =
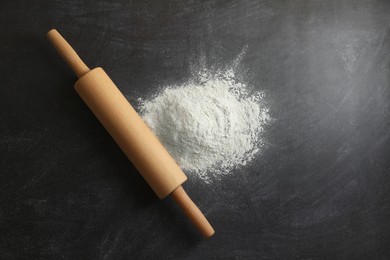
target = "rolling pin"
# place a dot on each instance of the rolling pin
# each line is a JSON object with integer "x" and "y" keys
{"x": 131, "y": 133}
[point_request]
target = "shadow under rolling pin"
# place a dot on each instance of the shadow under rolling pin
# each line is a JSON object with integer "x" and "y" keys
{"x": 130, "y": 132}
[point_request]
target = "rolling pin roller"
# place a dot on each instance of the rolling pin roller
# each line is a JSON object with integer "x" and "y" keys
{"x": 130, "y": 132}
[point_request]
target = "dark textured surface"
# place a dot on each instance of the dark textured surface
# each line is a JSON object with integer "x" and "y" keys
{"x": 320, "y": 190}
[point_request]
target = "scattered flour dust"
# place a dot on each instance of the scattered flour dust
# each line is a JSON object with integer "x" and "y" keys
{"x": 209, "y": 125}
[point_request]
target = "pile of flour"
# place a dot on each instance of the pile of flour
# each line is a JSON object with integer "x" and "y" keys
{"x": 210, "y": 125}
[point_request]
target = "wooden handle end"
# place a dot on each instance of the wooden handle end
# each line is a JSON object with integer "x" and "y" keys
{"x": 51, "y": 32}
{"x": 67, "y": 53}
{"x": 192, "y": 212}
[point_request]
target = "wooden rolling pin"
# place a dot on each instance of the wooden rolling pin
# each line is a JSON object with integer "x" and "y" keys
{"x": 130, "y": 132}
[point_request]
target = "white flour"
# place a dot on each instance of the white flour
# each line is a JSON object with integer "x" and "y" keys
{"x": 209, "y": 125}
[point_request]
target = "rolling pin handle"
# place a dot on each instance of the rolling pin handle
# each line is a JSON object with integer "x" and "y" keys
{"x": 67, "y": 53}
{"x": 192, "y": 212}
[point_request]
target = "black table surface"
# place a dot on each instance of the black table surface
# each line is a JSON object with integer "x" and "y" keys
{"x": 320, "y": 189}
